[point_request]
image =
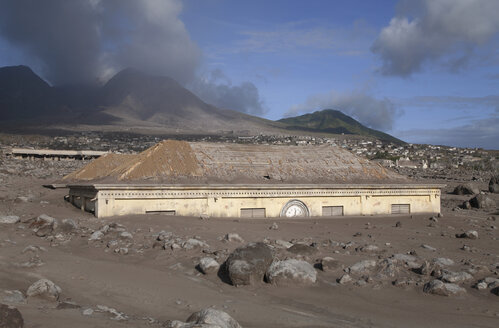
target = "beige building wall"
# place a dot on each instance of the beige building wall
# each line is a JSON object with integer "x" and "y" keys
{"x": 230, "y": 200}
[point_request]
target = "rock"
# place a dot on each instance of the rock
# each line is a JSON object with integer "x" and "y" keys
{"x": 9, "y": 219}
{"x": 213, "y": 318}
{"x": 427, "y": 268}
{"x": 470, "y": 234}
{"x": 97, "y": 235}
{"x": 43, "y": 225}
{"x": 433, "y": 219}
{"x": 118, "y": 316}
{"x": 455, "y": 277}
{"x": 362, "y": 266}
{"x": 467, "y": 205}
{"x": 302, "y": 249}
{"x": 369, "y": 248}
{"x": 291, "y": 272}
{"x": 248, "y": 264}
{"x": 208, "y": 265}
{"x": 405, "y": 258}
{"x": 495, "y": 291}
{"x": 398, "y": 224}
{"x": 194, "y": 243}
{"x": 481, "y": 285}
{"x": 494, "y": 184}
{"x": 13, "y": 297}
{"x": 164, "y": 235}
{"x": 428, "y": 247}
{"x": 329, "y": 264}
{"x": 438, "y": 287}
{"x": 442, "y": 261}
{"x": 283, "y": 243}
{"x": 274, "y": 226}
{"x": 125, "y": 235}
{"x": 22, "y": 199}
{"x": 233, "y": 237}
{"x": 387, "y": 268}
{"x": 483, "y": 201}
{"x": 10, "y": 317}
{"x": 88, "y": 312}
{"x": 466, "y": 189}
{"x": 344, "y": 279}
{"x": 67, "y": 226}
{"x": 44, "y": 288}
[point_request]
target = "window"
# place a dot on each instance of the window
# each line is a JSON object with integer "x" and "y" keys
{"x": 332, "y": 210}
{"x": 167, "y": 212}
{"x": 401, "y": 208}
{"x": 252, "y": 212}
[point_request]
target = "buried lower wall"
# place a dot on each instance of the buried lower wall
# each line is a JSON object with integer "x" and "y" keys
{"x": 247, "y": 201}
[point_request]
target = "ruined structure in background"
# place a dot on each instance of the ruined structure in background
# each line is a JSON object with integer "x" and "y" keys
{"x": 233, "y": 180}
{"x": 55, "y": 155}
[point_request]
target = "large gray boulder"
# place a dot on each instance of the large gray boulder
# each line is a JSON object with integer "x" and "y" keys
{"x": 10, "y": 317}
{"x": 483, "y": 201}
{"x": 438, "y": 287}
{"x": 43, "y": 225}
{"x": 248, "y": 264}
{"x": 207, "y": 318}
{"x": 494, "y": 184}
{"x": 466, "y": 189}
{"x": 291, "y": 272}
{"x": 9, "y": 219}
{"x": 44, "y": 288}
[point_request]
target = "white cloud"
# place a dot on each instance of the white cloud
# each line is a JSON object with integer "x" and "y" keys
{"x": 446, "y": 31}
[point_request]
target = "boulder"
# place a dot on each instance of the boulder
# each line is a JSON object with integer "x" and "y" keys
{"x": 43, "y": 225}
{"x": 455, "y": 277}
{"x": 13, "y": 297}
{"x": 466, "y": 189}
{"x": 494, "y": 184}
{"x": 344, "y": 279}
{"x": 291, "y": 272}
{"x": 207, "y": 318}
{"x": 470, "y": 234}
{"x": 9, "y": 219}
{"x": 483, "y": 201}
{"x": 283, "y": 244}
{"x": 96, "y": 235}
{"x": 442, "y": 261}
{"x": 194, "y": 243}
{"x": 404, "y": 258}
{"x": 329, "y": 264}
{"x": 10, "y": 317}
{"x": 362, "y": 266}
{"x": 438, "y": 287}
{"x": 233, "y": 237}
{"x": 248, "y": 264}
{"x": 44, "y": 288}
{"x": 67, "y": 226}
{"x": 208, "y": 265}
{"x": 302, "y": 249}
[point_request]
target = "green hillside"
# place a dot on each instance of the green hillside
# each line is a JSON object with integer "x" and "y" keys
{"x": 334, "y": 122}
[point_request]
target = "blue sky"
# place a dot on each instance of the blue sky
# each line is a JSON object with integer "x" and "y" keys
{"x": 426, "y": 71}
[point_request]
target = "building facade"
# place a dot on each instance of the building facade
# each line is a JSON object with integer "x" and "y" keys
{"x": 230, "y": 200}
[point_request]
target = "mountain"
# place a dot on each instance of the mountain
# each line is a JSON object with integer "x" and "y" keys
{"x": 132, "y": 100}
{"x": 23, "y": 94}
{"x": 334, "y": 122}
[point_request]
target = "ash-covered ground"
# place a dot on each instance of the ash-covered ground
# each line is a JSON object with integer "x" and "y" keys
{"x": 155, "y": 271}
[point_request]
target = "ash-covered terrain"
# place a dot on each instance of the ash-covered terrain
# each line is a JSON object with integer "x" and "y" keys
{"x": 60, "y": 267}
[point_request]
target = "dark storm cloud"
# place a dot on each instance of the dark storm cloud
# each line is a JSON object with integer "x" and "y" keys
{"x": 435, "y": 30}
{"x": 82, "y": 41}
{"x": 219, "y": 91}
{"x": 373, "y": 112}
